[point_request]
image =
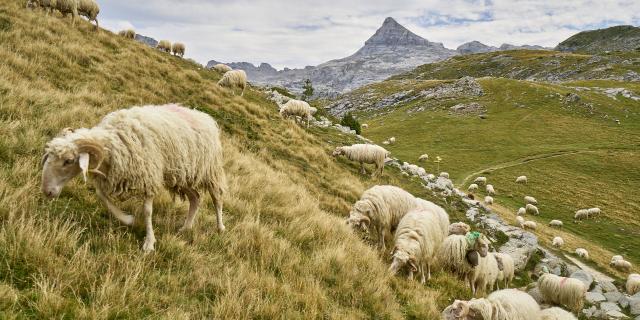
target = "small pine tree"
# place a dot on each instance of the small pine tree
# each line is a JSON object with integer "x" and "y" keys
{"x": 308, "y": 90}
{"x": 348, "y": 120}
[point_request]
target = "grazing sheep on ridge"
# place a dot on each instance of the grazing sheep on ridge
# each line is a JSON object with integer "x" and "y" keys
{"x": 529, "y": 225}
{"x": 392, "y": 140}
{"x": 532, "y": 209}
{"x": 568, "y": 292}
{"x": 621, "y": 265}
{"x": 364, "y": 153}
{"x": 178, "y": 49}
{"x": 164, "y": 46}
{"x": 234, "y": 78}
{"x": 556, "y": 313}
{"x": 581, "y": 214}
{"x": 556, "y": 223}
{"x": 531, "y": 200}
{"x": 480, "y": 180}
{"x": 520, "y": 221}
{"x": 423, "y": 157}
{"x": 298, "y": 108}
{"x": 592, "y": 212}
{"x": 488, "y": 200}
{"x": 67, "y": 7}
{"x": 460, "y": 254}
{"x": 507, "y": 304}
{"x": 141, "y": 151}
{"x": 583, "y": 253}
{"x": 557, "y": 242}
{"x": 459, "y": 228}
{"x": 521, "y": 179}
{"x": 633, "y": 284}
{"x": 364, "y": 126}
{"x": 506, "y": 265}
{"x": 444, "y": 175}
{"x": 472, "y": 187}
{"x": 89, "y": 9}
{"x": 490, "y": 190}
{"x": 521, "y": 211}
{"x": 129, "y": 33}
{"x": 417, "y": 240}
{"x": 617, "y": 257}
{"x": 222, "y": 68}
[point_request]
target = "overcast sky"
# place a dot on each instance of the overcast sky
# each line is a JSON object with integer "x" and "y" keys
{"x": 296, "y": 33}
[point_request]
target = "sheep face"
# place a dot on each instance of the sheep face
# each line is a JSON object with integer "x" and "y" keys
{"x": 338, "y": 151}
{"x": 359, "y": 218}
{"x": 400, "y": 260}
{"x": 482, "y": 246}
{"x": 459, "y": 310}
{"x": 58, "y": 170}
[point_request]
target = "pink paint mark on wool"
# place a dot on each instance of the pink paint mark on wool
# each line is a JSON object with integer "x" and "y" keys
{"x": 183, "y": 113}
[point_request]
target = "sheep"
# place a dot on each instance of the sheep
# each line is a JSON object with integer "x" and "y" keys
{"x": 364, "y": 126}
{"x": 557, "y": 242}
{"x": 298, "y": 108}
{"x": 67, "y": 7}
{"x": 129, "y": 33}
{"x": 222, "y": 68}
{"x": 488, "y": 200}
{"x": 472, "y": 187}
{"x": 583, "y": 253}
{"x": 364, "y": 153}
{"x": 385, "y": 142}
{"x": 507, "y": 304}
{"x": 444, "y": 175}
{"x": 423, "y": 157}
{"x": 568, "y": 292}
{"x": 233, "y": 79}
{"x": 413, "y": 169}
{"x": 490, "y": 190}
{"x": 521, "y": 179}
{"x": 593, "y": 212}
{"x": 556, "y": 313}
{"x": 521, "y": 211}
{"x": 89, "y": 9}
{"x": 532, "y": 209}
{"x": 529, "y": 225}
{"x": 459, "y": 228}
{"x": 556, "y": 223}
{"x": 392, "y": 140}
{"x": 531, "y": 200}
{"x": 164, "y": 46}
{"x": 485, "y": 274}
{"x": 633, "y": 284}
{"x": 417, "y": 240}
{"x": 178, "y": 49}
{"x": 506, "y": 265}
{"x": 622, "y": 265}
{"x": 431, "y": 177}
{"x": 140, "y": 151}
{"x": 617, "y": 257}
{"x": 520, "y": 221}
{"x": 581, "y": 214}
{"x": 480, "y": 180}
{"x": 460, "y": 254}
{"x": 46, "y": 5}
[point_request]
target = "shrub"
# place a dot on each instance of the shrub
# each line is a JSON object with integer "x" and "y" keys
{"x": 348, "y": 120}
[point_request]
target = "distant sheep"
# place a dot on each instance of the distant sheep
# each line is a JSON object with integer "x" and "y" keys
{"x": 364, "y": 126}
{"x": 142, "y": 151}
{"x": 520, "y": 221}
{"x": 557, "y": 242}
{"x": 583, "y": 253}
{"x": 386, "y": 142}
{"x": 129, "y": 33}
{"x": 67, "y": 7}
{"x": 392, "y": 140}
{"x": 622, "y": 265}
{"x": 234, "y": 79}
{"x": 568, "y": 292}
{"x": 472, "y": 187}
{"x": 521, "y": 179}
{"x": 531, "y": 209}
{"x": 633, "y": 284}
{"x": 431, "y": 177}
{"x": 508, "y": 304}
{"x": 298, "y": 108}
{"x": 521, "y": 212}
{"x": 444, "y": 175}
{"x": 490, "y": 190}
{"x": 364, "y": 153}
{"x": 164, "y": 46}
{"x": 460, "y": 254}
{"x": 423, "y": 157}
{"x": 556, "y": 313}
{"x": 488, "y": 200}
{"x": 531, "y": 200}
{"x": 592, "y": 212}
{"x": 480, "y": 180}
{"x": 222, "y": 68}
{"x": 529, "y": 225}
{"x": 178, "y": 49}
{"x": 459, "y": 228}
{"x": 581, "y": 214}
{"x": 89, "y": 9}
{"x": 617, "y": 257}
{"x": 506, "y": 265}
{"x": 555, "y": 223}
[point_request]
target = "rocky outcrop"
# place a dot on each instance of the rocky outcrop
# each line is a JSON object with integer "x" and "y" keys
{"x": 475, "y": 47}
{"x": 151, "y": 42}
{"x": 618, "y": 38}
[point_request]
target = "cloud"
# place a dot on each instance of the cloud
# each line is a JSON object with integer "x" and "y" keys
{"x": 297, "y": 33}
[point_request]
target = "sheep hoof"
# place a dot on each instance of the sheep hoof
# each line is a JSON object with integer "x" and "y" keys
{"x": 221, "y": 228}
{"x": 128, "y": 219}
{"x": 148, "y": 246}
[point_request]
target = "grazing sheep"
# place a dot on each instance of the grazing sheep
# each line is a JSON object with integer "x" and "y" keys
{"x": 222, "y": 68}
{"x": 423, "y": 157}
{"x": 431, "y": 177}
{"x": 583, "y": 253}
{"x": 556, "y": 223}
{"x": 507, "y": 304}
{"x": 581, "y": 214}
{"x": 531, "y": 200}
{"x": 529, "y": 225}
{"x": 521, "y": 179}
{"x": 614, "y": 258}
{"x": 46, "y": 5}
{"x": 506, "y": 265}
{"x": 556, "y": 313}
{"x": 141, "y": 151}
{"x": 633, "y": 284}
{"x": 129, "y": 33}
{"x": 364, "y": 126}
{"x": 392, "y": 140}
{"x": 622, "y": 265}
{"x": 480, "y": 180}
{"x": 490, "y": 190}
{"x": 520, "y": 221}
{"x": 89, "y": 9}
{"x": 531, "y": 209}
{"x": 413, "y": 169}
{"x": 364, "y": 153}
{"x": 234, "y": 78}
{"x": 592, "y": 212}
{"x": 459, "y": 228}
{"x": 417, "y": 240}
{"x": 385, "y": 142}
{"x": 521, "y": 211}
{"x": 485, "y": 274}
{"x": 568, "y": 292}
{"x": 472, "y": 187}
{"x": 557, "y": 242}
{"x": 298, "y": 108}
{"x": 460, "y": 254}
{"x": 164, "y": 46}
{"x": 67, "y": 7}
{"x": 488, "y": 200}
{"x": 178, "y": 49}
{"x": 444, "y": 175}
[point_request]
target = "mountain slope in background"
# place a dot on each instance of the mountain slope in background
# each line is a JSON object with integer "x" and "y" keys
{"x": 618, "y": 38}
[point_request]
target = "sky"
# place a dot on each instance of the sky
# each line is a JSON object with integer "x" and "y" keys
{"x": 297, "y": 33}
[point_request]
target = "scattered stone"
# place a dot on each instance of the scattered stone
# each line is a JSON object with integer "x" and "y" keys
{"x": 463, "y": 87}
{"x": 594, "y": 297}
{"x": 613, "y": 296}
{"x": 634, "y": 305}
{"x": 571, "y": 97}
{"x": 590, "y": 311}
{"x": 608, "y": 286}
{"x": 624, "y": 302}
{"x": 615, "y": 314}
{"x": 585, "y": 277}
{"x": 466, "y": 109}
{"x": 597, "y": 288}
{"x": 609, "y": 306}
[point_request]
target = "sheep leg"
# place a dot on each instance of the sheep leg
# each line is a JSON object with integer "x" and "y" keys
{"x": 429, "y": 271}
{"x": 242, "y": 93}
{"x": 381, "y": 240}
{"x": 410, "y": 275}
{"x": 150, "y": 238}
{"x": 423, "y": 279}
{"x": 115, "y": 211}
{"x": 216, "y": 196}
{"x": 194, "y": 202}
{"x": 362, "y": 170}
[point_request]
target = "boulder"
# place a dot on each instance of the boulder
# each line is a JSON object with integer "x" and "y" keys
{"x": 613, "y": 314}
{"x": 613, "y": 296}
{"x": 583, "y": 276}
{"x": 594, "y": 297}
{"x": 634, "y": 305}
{"x": 609, "y": 306}
{"x": 608, "y": 286}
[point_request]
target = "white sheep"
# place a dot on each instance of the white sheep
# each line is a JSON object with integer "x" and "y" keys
{"x": 557, "y": 242}
{"x": 67, "y": 7}
{"x": 459, "y": 228}
{"x": 490, "y": 190}
{"x": 460, "y": 254}
{"x": 622, "y": 265}
{"x": 531, "y": 200}
{"x": 617, "y": 257}
{"x": 488, "y": 200}
{"x": 386, "y": 142}
{"x": 178, "y": 49}
{"x": 556, "y": 313}
{"x": 633, "y": 284}
{"x": 89, "y": 9}
{"x": 506, "y": 265}
{"x": 472, "y": 187}
{"x": 480, "y": 180}
{"x": 581, "y": 214}
{"x": 423, "y": 157}
{"x": 141, "y": 151}
{"x": 444, "y": 175}
{"x": 222, "y": 68}
{"x": 529, "y": 225}
{"x": 568, "y": 292}
{"x": 129, "y": 33}
{"x": 592, "y": 212}
{"x": 521, "y": 211}
{"x": 297, "y": 108}
{"x": 556, "y": 223}
{"x": 521, "y": 179}
{"x": 583, "y": 253}
{"x": 234, "y": 79}
{"x": 46, "y": 5}
{"x": 392, "y": 140}
{"x": 485, "y": 274}
{"x": 520, "y": 221}
{"x": 431, "y": 177}
{"x": 364, "y": 126}
{"x": 417, "y": 240}
{"x": 531, "y": 209}
{"x": 507, "y": 304}
{"x": 164, "y": 46}
{"x": 364, "y": 153}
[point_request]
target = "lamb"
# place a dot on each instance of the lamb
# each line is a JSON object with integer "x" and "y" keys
{"x": 392, "y": 140}
{"x": 364, "y": 153}
{"x": 563, "y": 291}
{"x": 592, "y": 212}
{"x": 364, "y": 126}
{"x": 460, "y": 254}
{"x": 621, "y": 265}
{"x": 423, "y": 157}
{"x": 521, "y": 179}
{"x": 490, "y": 190}
{"x": 485, "y": 274}
{"x": 488, "y": 200}
{"x": 178, "y": 49}
{"x": 298, "y": 108}
{"x": 234, "y": 78}
{"x": 472, "y": 187}
{"x": 633, "y": 284}
{"x": 89, "y": 9}
{"x": 480, "y": 180}
{"x": 581, "y": 214}
{"x": 129, "y": 33}
{"x": 506, "y": 265}
{"x": 531, "y": 200}
{"x": 617, "y": 257}
{"x": 557, "y": 242}
{"x": 520, "y": 221}
{"x": 417, "y": 240}
{"x": 532, "y": 209}
{"x": 222, "y": 68}
{"x": 529, "y": 225}
{"x": 164, "y": 46}
{"x": 444, "y": 175}
{"x": 140, "y": 151}
{"x": 583, "y": 253}
{"x": 556, "y": 223}
{"x": 459, "y": 228}
{"x": 521, "y": 211}
{"x": 556, "y": 313}
{"x": 507, "y": 304}
{"x": 67, "y": 7}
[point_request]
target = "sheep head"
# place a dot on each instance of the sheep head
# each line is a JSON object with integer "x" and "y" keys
{"x": 338, "y": 151}
{"x": 359, "y": 216}
{"x": 400, "y": 259}
{"x": 459, "y": 310}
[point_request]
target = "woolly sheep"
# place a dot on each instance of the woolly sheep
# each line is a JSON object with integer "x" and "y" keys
{"x": 480, "y": 180}
{"x": 364, "y": 126}
{"x": 234, "y": 78}
{"x": 593, "y": 212}
{"x": 532, "y": 209}
{"x": 46, "y": 5}
{"x": 141, "y": 151}
{"x": 521, "y": 211}
{"x": 521, "y": 179}
{"x": 568, "y": 292}
{"x": 67, "y": 7}
{"x": 556, "y": 223}
{"x": 222, "y": 68}
{"x": 444, "y": 175}
{"x": 455, "y": 251}
{"x": 633, "y": 284}
{"x": 297, "y": 108}
{"x": 583, "y": 253}
{"x": 490, "y": 189}
{"x": 423, "y": 157}
{"x": 392, "y": 140}
{"x": 364, "y": 153}
{"x": 556, "y": 313}
{"x": 89, "y": 9}
{"x": 413, "y": 169}
{"x": 520, "y": 221}
{"x": 531, "y": 200}
{"x": 472, "y": 187}
{"x": 431, "y": 177}
{"x": 581, "y": 214}
{"x": 488, "y": 200}
{"x": 417, "y": 240}
{"x": 385, "y": 142}
{"x": 618, "y": 257}
{"x": 621, "y": 265}
{"x": 164, "y": 45}
{"x": 507, "y": 304}
{"x": 129, "y": 33}
{"x": 485, "y": 274}
{"x": 557, "y": 242}
{"x": 506, "y": 265}
{"x": 529, "y": 225}
{"x": 459, "y": 228}
{"x": 178, "y": 49}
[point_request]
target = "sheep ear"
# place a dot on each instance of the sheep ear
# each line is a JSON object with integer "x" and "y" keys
{"x": 65, "y": 131}
{"x": 83, "y": 161}
{"x": 413, "y": 263}
{"x": 44, "y": 159}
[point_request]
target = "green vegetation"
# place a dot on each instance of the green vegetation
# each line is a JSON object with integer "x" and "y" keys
{"x": 307, "y": 90}
{"x": 349, "y": 121}
{"x": 625, "y": 38}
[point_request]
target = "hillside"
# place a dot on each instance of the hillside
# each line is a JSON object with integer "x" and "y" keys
{"x": 618, "y": 38}
{"x": 286, "y": 254}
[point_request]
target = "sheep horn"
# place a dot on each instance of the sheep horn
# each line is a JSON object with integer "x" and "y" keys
{"x": 96, "y": 150}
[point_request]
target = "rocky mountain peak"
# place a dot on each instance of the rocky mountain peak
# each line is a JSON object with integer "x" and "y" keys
{"x": 391, "y": 33}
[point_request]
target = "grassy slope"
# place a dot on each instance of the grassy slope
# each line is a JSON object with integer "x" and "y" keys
{"x": 286, "y": 253}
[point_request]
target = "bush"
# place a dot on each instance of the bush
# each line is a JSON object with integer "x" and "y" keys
{"x": 349, "y": 121}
